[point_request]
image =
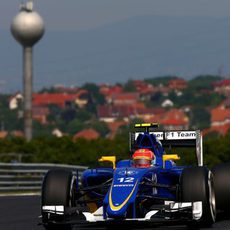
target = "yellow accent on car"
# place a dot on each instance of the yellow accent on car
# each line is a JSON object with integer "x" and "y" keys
{"x": 117, "y": 208}
{"x": 109, "y": 159}
{"x": 167, "y": 157}
{"x": 146, "y": 125}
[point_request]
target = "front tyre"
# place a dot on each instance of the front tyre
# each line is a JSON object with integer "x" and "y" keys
{"x": 196, "y": 184}
{"x": 58, "y": 189}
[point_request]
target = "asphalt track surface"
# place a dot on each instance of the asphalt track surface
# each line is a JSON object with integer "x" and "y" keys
{"x": 22, "y": 212}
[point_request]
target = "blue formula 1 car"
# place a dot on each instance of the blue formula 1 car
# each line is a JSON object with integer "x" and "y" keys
{"x": 149, "y": 188}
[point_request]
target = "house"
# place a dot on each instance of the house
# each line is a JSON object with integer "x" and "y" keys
{"x": 14, "y": 133}
{"x": 177, "y": 84}
{"x": 174, "y": 119}
{"x": 220, "y": 118}
{"x": 142, "y": 87}
{"x": 40, "y": 113}
{"x": 165, "y": 90}
{"x": 57, "y": 133}
{"x": 167, "y": 103}
{"x": 112, "y": 113}
{"x": 108, "y": 91}
{"x": 125, "y": 98}
{"x": 88, "y": 134}
{"x": 147, "y": 114}
{"x": 82, "y": 98}
{"x": 59, "y": 99}
{"x": 15, "y": 100}
{"x": 222, "y": 87}
{"x": 17, "y": 133}
{"x": 155, "y": 118}
{"x": 114, "y": 127}
{"x": 3, "y": 134}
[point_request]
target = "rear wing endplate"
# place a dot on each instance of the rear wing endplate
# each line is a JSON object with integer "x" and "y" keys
{"x": 177, "y": 139}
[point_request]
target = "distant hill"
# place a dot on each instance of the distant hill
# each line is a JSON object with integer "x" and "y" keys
{"x": 138, "y": 47}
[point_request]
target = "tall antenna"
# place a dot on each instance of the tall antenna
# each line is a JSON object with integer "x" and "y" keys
{"x": 28, "y": 6}
{"x": 221, "y": 71}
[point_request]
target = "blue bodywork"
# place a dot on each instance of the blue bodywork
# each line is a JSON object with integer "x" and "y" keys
{"x": 132, "y": 191}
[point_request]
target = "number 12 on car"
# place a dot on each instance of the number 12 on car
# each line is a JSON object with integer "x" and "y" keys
{"x": 126, "y": 179}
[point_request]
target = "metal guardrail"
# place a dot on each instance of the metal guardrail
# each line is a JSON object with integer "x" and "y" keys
{"x": 23, "y": 177}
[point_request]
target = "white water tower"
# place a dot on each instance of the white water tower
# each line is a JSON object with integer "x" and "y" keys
{"x": 27, "y": 28}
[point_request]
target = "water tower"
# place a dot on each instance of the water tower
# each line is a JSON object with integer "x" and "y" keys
{"x": 27, "y": 28}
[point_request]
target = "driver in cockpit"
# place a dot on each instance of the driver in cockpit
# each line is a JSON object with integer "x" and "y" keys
{"x": 143, "y": 158}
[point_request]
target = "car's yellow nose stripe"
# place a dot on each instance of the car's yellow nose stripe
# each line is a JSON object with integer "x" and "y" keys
{"x": 117, "y": 208}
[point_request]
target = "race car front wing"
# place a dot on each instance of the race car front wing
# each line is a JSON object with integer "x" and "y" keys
{"x": 170, "y": 211}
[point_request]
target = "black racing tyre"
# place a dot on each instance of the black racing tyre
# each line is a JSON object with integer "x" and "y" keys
{"x": 221, "y": 176}
{"x": 196, "y": 184}
{"x": 58, "y": 188}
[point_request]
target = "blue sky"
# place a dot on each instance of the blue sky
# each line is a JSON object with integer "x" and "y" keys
{"x": 199, "y": 49}
{"x": 85, "y": 14}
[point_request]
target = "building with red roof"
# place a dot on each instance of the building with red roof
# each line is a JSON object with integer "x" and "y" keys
{"x": 222, "y": 87}
{"x": 3, "y": 134}
{"x": 88, "y": 134}
{"x": 61, "y": 99}
{"x": 110, "y": 113}
{"x": 220, "y": 119}
{"x": 82, "y": 98}
{"x": 177, "y": 84}
{"x": 114, "y": 127}
{"x": 40, "y": 113}
{"x": 125, "y": 98}
{"x": 142, "y": 87}
{"x": 108, "y": 91}
{"x": 17, "y": 133}
{"x": 174, "y": 119}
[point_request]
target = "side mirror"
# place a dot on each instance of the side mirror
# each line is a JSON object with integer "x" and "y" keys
{"x": 168, "y": 157}
{"x": 108, "y": 159}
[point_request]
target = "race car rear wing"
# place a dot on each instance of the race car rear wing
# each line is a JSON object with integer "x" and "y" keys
{"x": 176, "y": 139}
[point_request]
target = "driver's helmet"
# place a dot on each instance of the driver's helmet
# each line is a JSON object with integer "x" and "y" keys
{"x": 142, "y": 158}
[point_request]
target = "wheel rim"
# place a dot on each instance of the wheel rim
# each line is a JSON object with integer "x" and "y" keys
{"x": 72, "y": 192}
{"x": 212, "y": 199}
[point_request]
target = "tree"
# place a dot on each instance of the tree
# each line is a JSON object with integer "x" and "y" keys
{"x": 155, "y": 100}
{"x": 74, "y": 126}
{"x": 83, "y": 115}
{"x": 68, "y": 115}
{"x": 200, "y": 118}
{"x": 54, "y": 113}
{"x": 101, "y": 127}
{"x": 96, "y": 96}
{"x": 159, "y": 80}
{"x": 40, "y": 130}
{"x": 203, "y": 82}
{"x": 129, "y": 86}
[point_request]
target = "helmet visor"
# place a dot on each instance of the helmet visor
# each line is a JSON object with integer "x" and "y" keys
{"x": 142, "y": 162}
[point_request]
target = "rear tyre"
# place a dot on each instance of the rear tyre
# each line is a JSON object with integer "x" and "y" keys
{"x": 221, "y": 174}
{"x": 59, "y": 188}
{"x": 196, "y": 184}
